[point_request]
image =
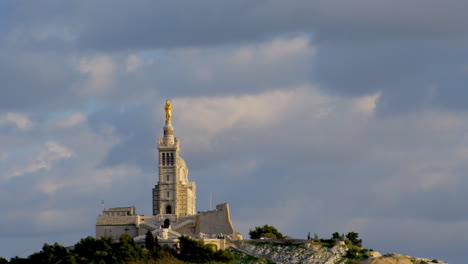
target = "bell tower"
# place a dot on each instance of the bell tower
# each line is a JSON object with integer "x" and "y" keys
{"x": 174, "y": 195}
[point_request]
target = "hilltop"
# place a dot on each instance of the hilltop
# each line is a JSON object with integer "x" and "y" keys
{"x": 254, "y": 251}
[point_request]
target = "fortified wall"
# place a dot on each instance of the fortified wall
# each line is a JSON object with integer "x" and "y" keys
{"x": 215, "y": 222}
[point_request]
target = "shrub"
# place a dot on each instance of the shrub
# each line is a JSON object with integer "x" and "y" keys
{"x": 353, "y": 238}
{"x": 265, "y": 231}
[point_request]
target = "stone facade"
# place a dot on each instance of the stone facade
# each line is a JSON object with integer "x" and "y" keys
{"x": 174, "y": 194}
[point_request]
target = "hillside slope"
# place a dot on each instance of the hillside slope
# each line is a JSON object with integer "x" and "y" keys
{"x": 320, "y": 254}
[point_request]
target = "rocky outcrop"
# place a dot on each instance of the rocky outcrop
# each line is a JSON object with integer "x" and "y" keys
{"x": 309, "y": 253}
{"x": 400, "y": 259}
{"x": 280, "y": 253}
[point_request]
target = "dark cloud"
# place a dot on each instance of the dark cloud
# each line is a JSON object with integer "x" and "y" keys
{"x": 162, "y": 24}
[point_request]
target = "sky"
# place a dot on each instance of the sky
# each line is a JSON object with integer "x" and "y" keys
{"x": 314, "y": 116}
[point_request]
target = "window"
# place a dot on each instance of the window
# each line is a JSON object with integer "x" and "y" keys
{"x": 167, "y": 194}
{"x": 167, "y": 177}
{"x": 164, "y": 159}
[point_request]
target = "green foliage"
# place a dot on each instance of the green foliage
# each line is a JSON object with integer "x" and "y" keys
{"x": 326, "y": 244}
{"x": 241, "y": 257}
{"x": 18, "y": 260}
{"x": 107, "y": 251}
{"x": 265, "y": 231}
{"x": 49, "y": 254}
{"x": 353, "y": 238}
{"x": 357, "y": 253}
{"x": 433, "y": 261}
{"x": 194, "y": 251}
{"x": 88, "y": 250}
{"x": 336, "y": 235}
{"x": 127, "y": 249}
{"x": 149, "y": 241}
{"x": 223, "y": 256}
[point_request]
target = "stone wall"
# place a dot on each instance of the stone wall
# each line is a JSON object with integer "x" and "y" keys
{"x": 116, "y": 231}
{"x": 215, "y": 222}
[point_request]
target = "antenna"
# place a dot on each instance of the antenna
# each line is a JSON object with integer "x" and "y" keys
{"x": 210, "y": 201}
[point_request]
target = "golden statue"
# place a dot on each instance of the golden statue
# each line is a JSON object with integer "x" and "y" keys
{"x": 168, "y": 109}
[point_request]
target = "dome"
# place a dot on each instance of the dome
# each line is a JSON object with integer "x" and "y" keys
{"x": 181, "y": 162}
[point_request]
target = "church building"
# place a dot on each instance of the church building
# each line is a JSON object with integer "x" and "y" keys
{"x": 174, "y": 204}
{"x": 174, "y": 195}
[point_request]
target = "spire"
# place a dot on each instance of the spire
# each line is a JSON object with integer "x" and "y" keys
{"x": 168, "y": 129}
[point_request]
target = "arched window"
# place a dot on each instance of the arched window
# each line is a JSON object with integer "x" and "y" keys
{"x": 168, "y": 211}
{"x": 164, "y": 159}
{"x": 172, "y": 158}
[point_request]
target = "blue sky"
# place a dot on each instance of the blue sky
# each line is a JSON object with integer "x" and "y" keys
{"x": 312, "y": 116}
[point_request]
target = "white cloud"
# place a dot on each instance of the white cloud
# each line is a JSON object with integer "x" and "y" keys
{"x": 21, "y": 121}
{"x": 102, "y": 74}
{"x": 133, "y": 63}
{"x": 73, "y": 120}
{"x": 202, "y": 119}
{"x": 87, "y": 180}
{"x": 52, "y": 151}
{"x": 366, "y": 104}
{"x": 211, "y": 116}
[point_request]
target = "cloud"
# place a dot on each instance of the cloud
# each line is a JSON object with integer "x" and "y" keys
{"x": 242, "y": 21}
{"x": 101, "y": 72}
{"x": 52, "y": 151}
{"x": 21, "y": 121}
{"x": 95, "y": 179}
{"x": 133, "y": 63}
{"x": 74, "y": 120}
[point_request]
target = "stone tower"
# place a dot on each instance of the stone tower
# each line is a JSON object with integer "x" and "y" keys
{"x": 173, "y": 196}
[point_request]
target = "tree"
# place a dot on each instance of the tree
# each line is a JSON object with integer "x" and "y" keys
{"x": 353, "y": 238}
{"x": 336, "y": 235}
{"x": 49, "y": 254}
{"x": 265, "y": 231}
{"x": 193, "y": 251}
{"x": 127, "y": 250}
{"x": 149, "y": 241}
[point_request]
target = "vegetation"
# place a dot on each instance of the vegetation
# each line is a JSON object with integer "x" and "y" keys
{"x": 265, "y": 231}
{"x": 353, "y": 239}
{"x": 88, "y": 250}
{"x": 193, "y": 251}
{"x": 104, "y": 250}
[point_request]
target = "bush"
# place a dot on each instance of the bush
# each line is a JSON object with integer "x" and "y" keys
{"x": 355, "y": 252}
{"x": 265, "y": 231}
{"x": 194, "y": 251}
{"x": 353, "y": 238}
{"x": 149, "y": 241}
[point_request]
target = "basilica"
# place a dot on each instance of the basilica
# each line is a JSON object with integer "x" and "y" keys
{"x": 174, "y": 204}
